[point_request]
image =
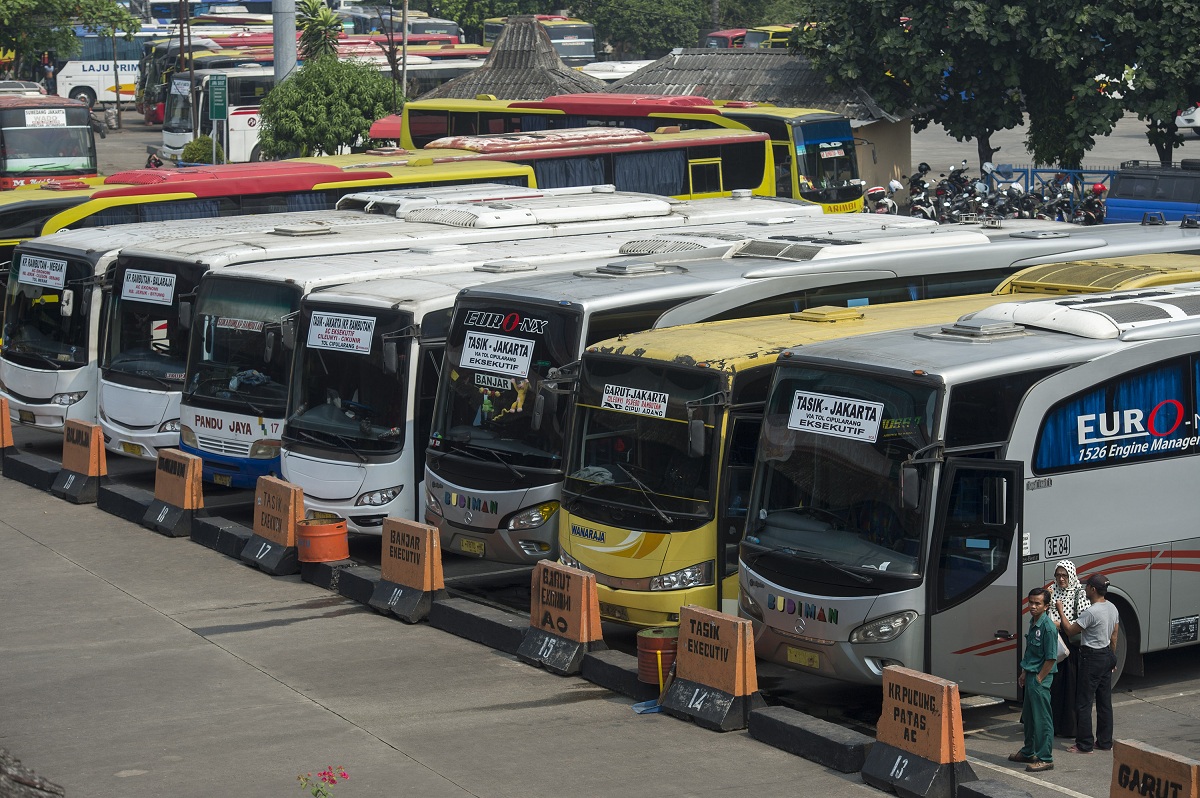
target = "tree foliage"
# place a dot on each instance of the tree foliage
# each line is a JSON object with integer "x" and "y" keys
{"x": 32, "y": 27}
{"x": 319, "y": 28}
{"x": 326, "y": 105}
{"x": 644, "y": 28}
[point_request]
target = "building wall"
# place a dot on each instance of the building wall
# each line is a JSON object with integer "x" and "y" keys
{"x": 893, "y": 152}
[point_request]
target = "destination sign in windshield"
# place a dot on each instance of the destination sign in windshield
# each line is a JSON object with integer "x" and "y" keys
{"x": 499, "y": 354}
{"x": 836, "y": 415}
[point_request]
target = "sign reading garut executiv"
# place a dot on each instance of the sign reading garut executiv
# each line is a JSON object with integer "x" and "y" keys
{"x": 177, "y": 493}
{"x": 410, "y": 567}
{"x": 564, "y": 618}
{"x": 278, "y": 506}
{"x": 716, "y": 681}
{"x": 919, "y": 747}
{"x": 83, "y": 463}
{"x": 1145, "y": 771}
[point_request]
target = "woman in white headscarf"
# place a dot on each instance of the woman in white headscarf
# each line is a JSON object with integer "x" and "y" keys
{"x": 1067, "y": 589}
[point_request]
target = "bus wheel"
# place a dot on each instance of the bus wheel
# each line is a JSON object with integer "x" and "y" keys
{"x": 255, "y": 154}
{"x": 1127, "y": 635}
{"x": 84, "y": 94}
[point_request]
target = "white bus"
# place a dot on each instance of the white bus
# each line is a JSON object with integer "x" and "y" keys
{"x": 911, "y": 487}
{"x": 88, "y": 76}
{"x": 48, "y": 364}
{"x": 246, "y": 86}
{"x": 777, "y": 274}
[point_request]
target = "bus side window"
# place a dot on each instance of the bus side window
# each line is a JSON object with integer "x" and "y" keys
{"x": 976, "y": 540}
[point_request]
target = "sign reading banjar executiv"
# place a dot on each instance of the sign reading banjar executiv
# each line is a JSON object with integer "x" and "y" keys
{"x": 177, "y": 493}
{"x": 716, "y": 681}
{"x": 564, "y": 618}
{"x": 410, "y": 566}
{"x": 278, "y": 507}
{"x": 83, "y": 463}
{"x": 1143, "y": 771}
{"x": 919, "y": 748}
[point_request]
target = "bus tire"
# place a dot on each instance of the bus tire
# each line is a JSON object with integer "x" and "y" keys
{"x": 84, "y": 94}
{"x": 255, "y": 154}
{"x": 1128, "y": 656}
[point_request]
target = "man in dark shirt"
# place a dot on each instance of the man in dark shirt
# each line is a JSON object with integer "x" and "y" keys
{"x": 1038, "y": 666}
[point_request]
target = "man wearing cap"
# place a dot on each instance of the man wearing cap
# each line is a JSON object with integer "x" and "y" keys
{"x": 1097, "y": 660}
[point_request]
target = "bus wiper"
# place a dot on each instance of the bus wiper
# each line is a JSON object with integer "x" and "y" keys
{"x": 246, "y": 398}
{"x": 312, "y": 438}
{"x": 569, "y": 504}
{"x": 49, "y": 361}
{"x": 512, "y": 469}
{"x": 645, "y": 492}
{"x": 346, "y": 442}
{"x": 809, "y": 555}
{"x": 159, "y": 380}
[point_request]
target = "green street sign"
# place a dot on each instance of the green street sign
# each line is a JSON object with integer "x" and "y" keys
{"x": 218, "y": 97}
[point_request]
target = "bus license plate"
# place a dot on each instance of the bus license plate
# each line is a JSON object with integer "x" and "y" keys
{"x": 131, "y": 448}
{"x": 807, "y": 659}
{"x": 223, "y": 479}
{"x": 26, "y": 417}
{"x": 468, "y": 546}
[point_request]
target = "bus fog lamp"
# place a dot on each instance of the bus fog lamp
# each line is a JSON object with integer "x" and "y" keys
{"x": 375, "y": 498}
{"x": 67, "y": 399}
{"x": 265, "y": 449}
{"x": 431, "y": 502}
{"x": 533, "y": 517}
{"x": 169, "y": 426}
{"x": 187, "y": 437}
{"x": 883, "y": 629}
{"x": 692, "y": 576}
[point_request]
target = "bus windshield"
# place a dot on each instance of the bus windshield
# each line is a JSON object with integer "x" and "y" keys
{"x": 572, "y": 40}
{"x": 828, "y": 471}
{"x": 45, "y": 141}
{"x": 630, "y": 462}
{"x": 496, "y": 358}
{"x": 177, "y": 117}
{"x": 36, "y": 331}
{"x": 345, "y": 393}
{"x": 236, "y": 357}
{"x": 825, "y": 153}
{"x": 145, "y": 339}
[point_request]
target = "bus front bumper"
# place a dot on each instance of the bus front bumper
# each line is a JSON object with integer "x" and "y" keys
{"x": 234, "y": 472}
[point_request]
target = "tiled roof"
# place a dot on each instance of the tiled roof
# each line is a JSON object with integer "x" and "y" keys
{"x": 764, "y": 76}
{"x": 521, "y": 66}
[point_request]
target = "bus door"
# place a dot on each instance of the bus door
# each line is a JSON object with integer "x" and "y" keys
{"x": 974, "y": 595}
{"x": 741, "y": 447}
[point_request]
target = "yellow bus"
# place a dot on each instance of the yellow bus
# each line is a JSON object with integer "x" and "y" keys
{"x": 640, "y": 394}
{"x": 146, "y": 195}
{"x": 813, "y": 150}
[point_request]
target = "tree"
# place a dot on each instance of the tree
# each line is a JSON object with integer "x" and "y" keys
{"x": 324, "y": 106}
{"x": 320, "y": 29}
{"x": 641, "y": 28}
{"x": 109, "y": 19}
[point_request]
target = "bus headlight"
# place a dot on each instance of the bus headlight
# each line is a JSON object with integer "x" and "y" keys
{"x": 67, "y": 399}
{"x": 533, "y": 517}
{"x": 265, "y": 449}
{"x": 569, "y": 561}
{"x": 883, "y": 629}
{"x": 169, "y": 426}
{"x": 375, "y": 498}
{"x": 187, "y": 437}
{"x": 692, "y": 576}
{"x": 431, "y": 502}
{"x": 749, "y": 606}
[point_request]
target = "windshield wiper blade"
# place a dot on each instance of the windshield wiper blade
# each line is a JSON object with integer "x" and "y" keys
{"x": 814, "y": 557}
{"x": 346, "y": 442}
{"x": 645, "y": 492}
{"x": 49, "y": 361}
{"x": 512, "y": 469}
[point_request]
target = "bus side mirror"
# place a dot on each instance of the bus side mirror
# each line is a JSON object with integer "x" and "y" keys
{"x": 696, "y": 437}
{"x": 87, "y": 299}
{"x": 539, "y": 409}
{"x": 185, "y": 315}
{"x": 269, "y": 346}
{"x": 910, "y": 487}
{"x": 287, "y": 333}
{"x": 391, "y": 357}
{"x": 66, "y": 302}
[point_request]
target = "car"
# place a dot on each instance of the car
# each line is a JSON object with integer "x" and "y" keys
{"x": 25, "y": 87}
{"x": 1189, "y": 118}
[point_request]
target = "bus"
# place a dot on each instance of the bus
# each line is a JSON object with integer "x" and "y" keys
{"x": 51, "y": 335}
{"x": 435, "y": 217}
{"x": 760, "y": 279}
{"x": 422, "y": 28}
{"x": 814, "y": 151}
{"x": 88, "y": 76}
{"x": 982, "y": 452}
{"x": 148, "y": 195}
{"x": 328, "y": 467}
{"x": 725, "y": 39}
{"x": 44, "y": 138}
{"x": 573, "y": 39}
{"x": 768, "y": 37}
{"x": 635, "y": 390}
{"x": 246, "y": 86}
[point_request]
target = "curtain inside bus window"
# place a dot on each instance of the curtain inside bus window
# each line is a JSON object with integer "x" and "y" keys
{"x": 121, "y": 214}
{"x": 564, "y": 172}
{"x": 309, "y": 201}
{"x": 533, "y": 122}
{"x": 662, "y": 172}
{"x": 182, "y": 209}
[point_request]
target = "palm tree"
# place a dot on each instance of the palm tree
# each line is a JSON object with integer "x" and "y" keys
{"x": 319, "y": 27}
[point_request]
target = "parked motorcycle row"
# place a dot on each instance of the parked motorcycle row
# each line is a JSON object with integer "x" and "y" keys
{"x": 956, "y": 197}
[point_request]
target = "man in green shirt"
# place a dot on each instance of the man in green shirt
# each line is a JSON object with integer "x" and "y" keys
{"x": 1038, "y": 666}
